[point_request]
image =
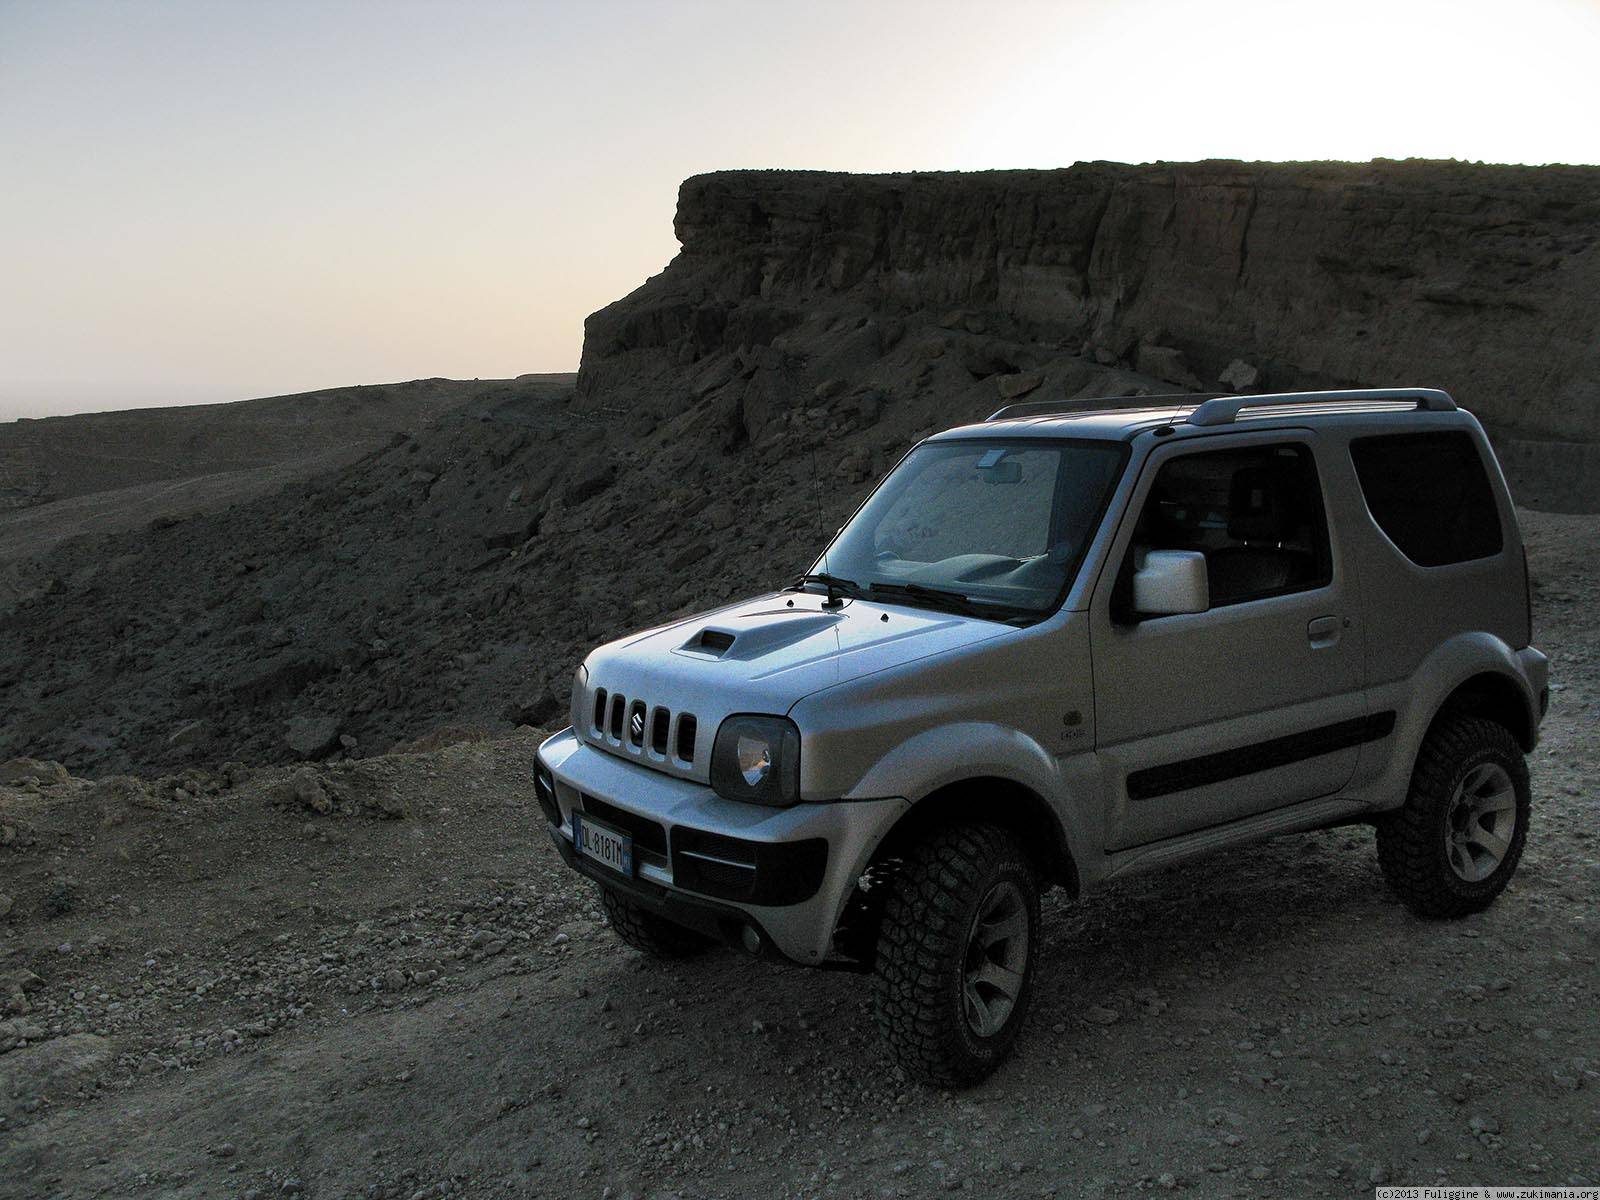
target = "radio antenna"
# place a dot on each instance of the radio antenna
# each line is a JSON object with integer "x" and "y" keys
{"x": 835, "y": 594}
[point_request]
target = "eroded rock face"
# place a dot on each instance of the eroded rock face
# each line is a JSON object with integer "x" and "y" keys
{"x": 1483, "y": 280}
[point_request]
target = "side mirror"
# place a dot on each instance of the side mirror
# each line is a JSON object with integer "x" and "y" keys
{"x": 1170, "y": 582}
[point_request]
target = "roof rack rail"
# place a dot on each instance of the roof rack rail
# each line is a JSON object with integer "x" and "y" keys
{"x": 1225, "y": 410}
{"x": 1054, "y": 408}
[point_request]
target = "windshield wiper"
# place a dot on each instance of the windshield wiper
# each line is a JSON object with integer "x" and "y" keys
{"x": 944, "y": 598}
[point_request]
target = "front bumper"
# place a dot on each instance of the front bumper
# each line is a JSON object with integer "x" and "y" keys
{"x": 704, "y": 861}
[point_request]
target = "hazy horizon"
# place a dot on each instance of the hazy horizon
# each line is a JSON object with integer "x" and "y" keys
{"x": 215, "y": 201}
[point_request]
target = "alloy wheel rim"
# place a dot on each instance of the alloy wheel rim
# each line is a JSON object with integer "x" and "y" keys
{"x": 1480, "y": 822}
{"x": 996, "y": 959}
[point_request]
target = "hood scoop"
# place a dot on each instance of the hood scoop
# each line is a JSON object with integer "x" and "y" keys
{"x": 713, "y": 643}
{"x": 760, "y": 637}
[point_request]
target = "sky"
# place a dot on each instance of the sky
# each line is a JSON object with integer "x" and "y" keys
{"x": 204, "y": 201}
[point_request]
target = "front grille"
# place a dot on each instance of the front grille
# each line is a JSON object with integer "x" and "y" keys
{"x": 646, "y": 834}
{"x": 637, "y": 727}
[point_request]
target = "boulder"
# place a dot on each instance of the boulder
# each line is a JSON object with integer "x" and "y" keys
{"x": 588, "y": 482}
{"x": 535, "y": 710}
{"x": 311, "y": 737}
{"x": 1239, "y": 376}
{"x": 14, "y": 988}
{"x": 306, "y": 790}
{"x": 1166, "y": 363}
{"x": 719, "y": 515}
{"x": 509, "y": 529}
{"x": 1011, "y": 387}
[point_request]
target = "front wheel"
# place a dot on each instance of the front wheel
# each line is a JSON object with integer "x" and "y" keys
{"x": 647, "y": 932}
{"x": 959, "y": 939}
{"x": 1455, "y": 843}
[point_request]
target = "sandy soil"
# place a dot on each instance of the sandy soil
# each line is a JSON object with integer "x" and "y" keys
{"x": 222, "y": 990}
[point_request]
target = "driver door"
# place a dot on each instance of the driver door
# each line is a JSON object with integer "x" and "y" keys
{"x": 1257, "y": 703}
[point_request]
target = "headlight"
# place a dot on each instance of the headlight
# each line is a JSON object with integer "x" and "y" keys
{"x": 757, "y": 759}
{"x": 580, "y": 697}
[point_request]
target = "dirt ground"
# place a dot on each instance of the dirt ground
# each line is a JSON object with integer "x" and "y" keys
{"x": 376, "y": 980}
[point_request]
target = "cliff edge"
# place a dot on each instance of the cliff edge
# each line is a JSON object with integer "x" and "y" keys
{"x": 1481, "y": 279}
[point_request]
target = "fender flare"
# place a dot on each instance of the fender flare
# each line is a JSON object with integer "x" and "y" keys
{"x": 1453, "y": 664}
{"x": 937, "y": 761}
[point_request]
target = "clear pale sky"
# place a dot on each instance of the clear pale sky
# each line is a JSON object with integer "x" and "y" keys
{"x": 211, "y": 201}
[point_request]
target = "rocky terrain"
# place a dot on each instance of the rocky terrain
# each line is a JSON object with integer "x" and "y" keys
{"x": 62, "y": 477}
{"x": 56, "y": 458}
{"x": 741, "y": 401}
{"x": 458, "y": 574}
{"x": 375, "y": 979}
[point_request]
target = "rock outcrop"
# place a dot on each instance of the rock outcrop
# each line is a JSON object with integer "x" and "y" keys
{"x": 1481, "y": 279}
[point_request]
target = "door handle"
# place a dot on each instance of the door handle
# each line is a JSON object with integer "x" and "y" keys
{"x": 1323, "y": 632}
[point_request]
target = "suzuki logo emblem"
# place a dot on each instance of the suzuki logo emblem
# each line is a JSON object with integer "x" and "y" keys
{"x": 637, "y": 725}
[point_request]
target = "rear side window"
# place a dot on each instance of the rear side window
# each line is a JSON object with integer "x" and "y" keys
{"x": 1430, "y": 493}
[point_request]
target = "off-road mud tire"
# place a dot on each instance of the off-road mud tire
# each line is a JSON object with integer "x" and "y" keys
{"x": 927, "y": 921}
{"x": 1412, "y": 844}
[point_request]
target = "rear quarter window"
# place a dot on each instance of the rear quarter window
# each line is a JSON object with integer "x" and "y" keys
{"x": 1430, "y": 493}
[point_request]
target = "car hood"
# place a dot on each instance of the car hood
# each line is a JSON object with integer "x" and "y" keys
{"x": 757, "y": 656}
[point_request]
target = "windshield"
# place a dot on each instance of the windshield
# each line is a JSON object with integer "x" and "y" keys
{"x": 997, "y": 527}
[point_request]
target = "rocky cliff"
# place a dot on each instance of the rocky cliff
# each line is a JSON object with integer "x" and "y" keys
{"x": 1481, "y": 279}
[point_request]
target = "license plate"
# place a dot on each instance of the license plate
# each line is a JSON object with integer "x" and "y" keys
{"x": 605, "y": 846}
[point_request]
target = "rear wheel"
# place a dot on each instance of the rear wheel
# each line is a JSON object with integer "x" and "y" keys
{"x": 644, "y": 930}
{"x": 956, "y": 954}
{"x": 1455, "y": 843}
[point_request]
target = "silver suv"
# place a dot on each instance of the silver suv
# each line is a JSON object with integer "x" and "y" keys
{"x": 1068, "y": 643}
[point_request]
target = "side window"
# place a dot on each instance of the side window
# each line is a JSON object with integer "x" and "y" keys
{"x": 1430, "y": 494}
{"x": 1255, "y": 512}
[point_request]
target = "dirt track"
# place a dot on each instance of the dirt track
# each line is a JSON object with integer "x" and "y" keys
{"x": 335, "y": 1004}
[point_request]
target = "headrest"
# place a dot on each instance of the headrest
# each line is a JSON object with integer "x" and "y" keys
{"x": 1260, "y": 507}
